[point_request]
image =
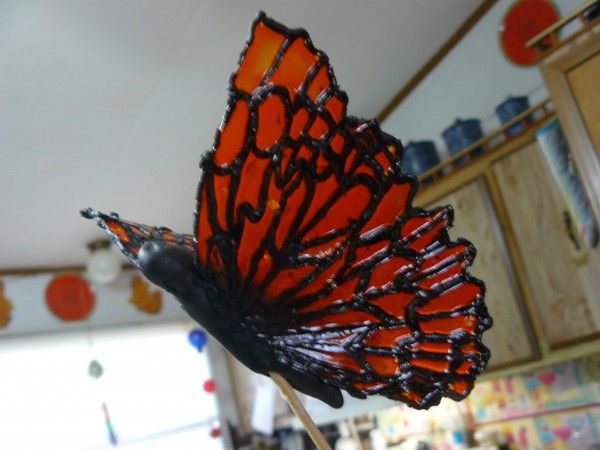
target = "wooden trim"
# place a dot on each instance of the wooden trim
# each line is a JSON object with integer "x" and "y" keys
{"x": 511, "y": 257}
{"x": 52, "y": 269}
{"x": 555, "y": 70}
{"x": 556, "y": 356}
{"x": 487, "y": 139}
{"x": 438, "y": 56}
{"x": 559, "y": 24}
{"x": 515, "y": 262}
{"x": 40, "y": 270}
{"x": 539, "y": 413}
{"x": 477, "y": 167}
{"x": 587, "y": 27}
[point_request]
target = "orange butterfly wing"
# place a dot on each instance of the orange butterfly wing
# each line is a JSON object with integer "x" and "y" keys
{"x": 306, "y": 214}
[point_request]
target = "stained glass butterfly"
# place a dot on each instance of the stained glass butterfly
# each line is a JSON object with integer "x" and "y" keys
{"x": 308, "y": 258}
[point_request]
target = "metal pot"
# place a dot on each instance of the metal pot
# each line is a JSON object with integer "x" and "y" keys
{"x": 512, "y": 107}
{"x": 460, "y": 135}
{"x": 419, "y": 157}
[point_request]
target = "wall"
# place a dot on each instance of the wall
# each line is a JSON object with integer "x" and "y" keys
{"x": 471, "y": 80}
{"x": 553, "y": 408}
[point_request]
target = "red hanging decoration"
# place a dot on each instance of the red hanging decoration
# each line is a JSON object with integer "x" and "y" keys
{"x": 70, "y": 297}
{"x": 215, "y": 432}
{"x": 523, "y": 21}
{"x": 209, "y": 386}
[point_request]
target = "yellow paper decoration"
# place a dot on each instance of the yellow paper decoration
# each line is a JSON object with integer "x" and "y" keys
{"x": 143, "y": 299}
{"x": 5, "y": 308}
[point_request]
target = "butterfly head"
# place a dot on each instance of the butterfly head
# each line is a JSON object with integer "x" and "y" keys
{"x": 167, "y": 266}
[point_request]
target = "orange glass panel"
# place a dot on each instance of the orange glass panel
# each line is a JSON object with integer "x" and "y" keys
{"x": 319, "y": 84}
{"x": 272, "y": 120}
{"x": 336, "y": 108}
{"x": 386, "y": 366}
{"x": 221, "y": 186}
{"x": 430, "y": 364}
{"x": 233, "y": 136}
{"x": 259, "y": 57}
{"x": 294, "y": 67}
{"x": 394, "y": 304}
{"x": 384, "y": 272}
{"x": 349, "y": 206}
{"x": 298, "y": 123}
{"x": 251, "y": 181}
{"x": 387, "y": 337}
{"x": 457, "y": 297}
{"x": 390, "y": 206}
{"x": 449, "y": 325}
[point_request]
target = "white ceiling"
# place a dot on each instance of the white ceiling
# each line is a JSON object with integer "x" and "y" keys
{"x": 109, "y": 103}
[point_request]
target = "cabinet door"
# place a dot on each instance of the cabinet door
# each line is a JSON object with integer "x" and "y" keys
{"x": 564, "y": 281}
{"x": 583, "y": 80}
{"x": 571, "y": 76}
{"x": 509, "y": 340}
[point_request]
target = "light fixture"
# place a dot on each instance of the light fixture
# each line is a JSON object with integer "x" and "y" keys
{"x": 103, "y": 266}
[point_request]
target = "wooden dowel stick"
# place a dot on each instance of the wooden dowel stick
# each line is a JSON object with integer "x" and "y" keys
{"x": 288, "y": 394}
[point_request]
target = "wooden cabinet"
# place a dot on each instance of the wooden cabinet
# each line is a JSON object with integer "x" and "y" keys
{"x": 543, "y": 283}
{"x": 563, "y": 275}
{"x": 572, "y": 76}
{"x": 510, "y": 339}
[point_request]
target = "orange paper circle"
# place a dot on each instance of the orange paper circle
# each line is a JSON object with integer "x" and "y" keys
{"x": 70, "y": 297}
{"x": 523, "y": 21}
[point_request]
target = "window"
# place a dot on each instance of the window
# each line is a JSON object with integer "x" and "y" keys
{"x": 152, "y": 386}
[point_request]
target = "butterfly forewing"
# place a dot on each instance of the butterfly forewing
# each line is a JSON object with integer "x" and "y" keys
{"x": 306, "y": 212}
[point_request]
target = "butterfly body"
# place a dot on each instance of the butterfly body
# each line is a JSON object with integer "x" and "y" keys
{"x": 308, "y": 257}
{"x": 175, "y": 270}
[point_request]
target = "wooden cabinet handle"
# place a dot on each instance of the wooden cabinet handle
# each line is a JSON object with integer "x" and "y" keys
{"x": 581, "y": 257}
{"x": 568, "y": 221}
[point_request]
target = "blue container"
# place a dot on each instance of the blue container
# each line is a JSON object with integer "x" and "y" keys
{"x": 419, "y": 157}
{"x": 461, "y": 134}
{"x": 512, "y": 107}
{"x": 592, "y": 12}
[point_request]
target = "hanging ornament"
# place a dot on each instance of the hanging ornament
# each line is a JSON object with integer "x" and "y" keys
{"x": 215, "y": 430}
{"x": 95, "y": 369}
{"x": 112, "y": 435}
{"x": 143, "y": 299}
{"x": 209, "y": 386}
{"x": 523, "y": 20}
{"x": 197, "y": 338}
{"x": 70, "y": 297}
{"x": 103, "y": 266}
{"x": 5, "y": 307}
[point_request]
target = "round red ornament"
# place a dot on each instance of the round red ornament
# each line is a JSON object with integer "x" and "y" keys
{"x": 215, "y": 432}
{"x": 523, "y": 21}
{"x": 70, "y": 297}
{"x": 209, "y": 386}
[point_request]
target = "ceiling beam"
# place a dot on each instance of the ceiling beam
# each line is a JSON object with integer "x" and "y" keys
{"x": 438, "y": 56}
